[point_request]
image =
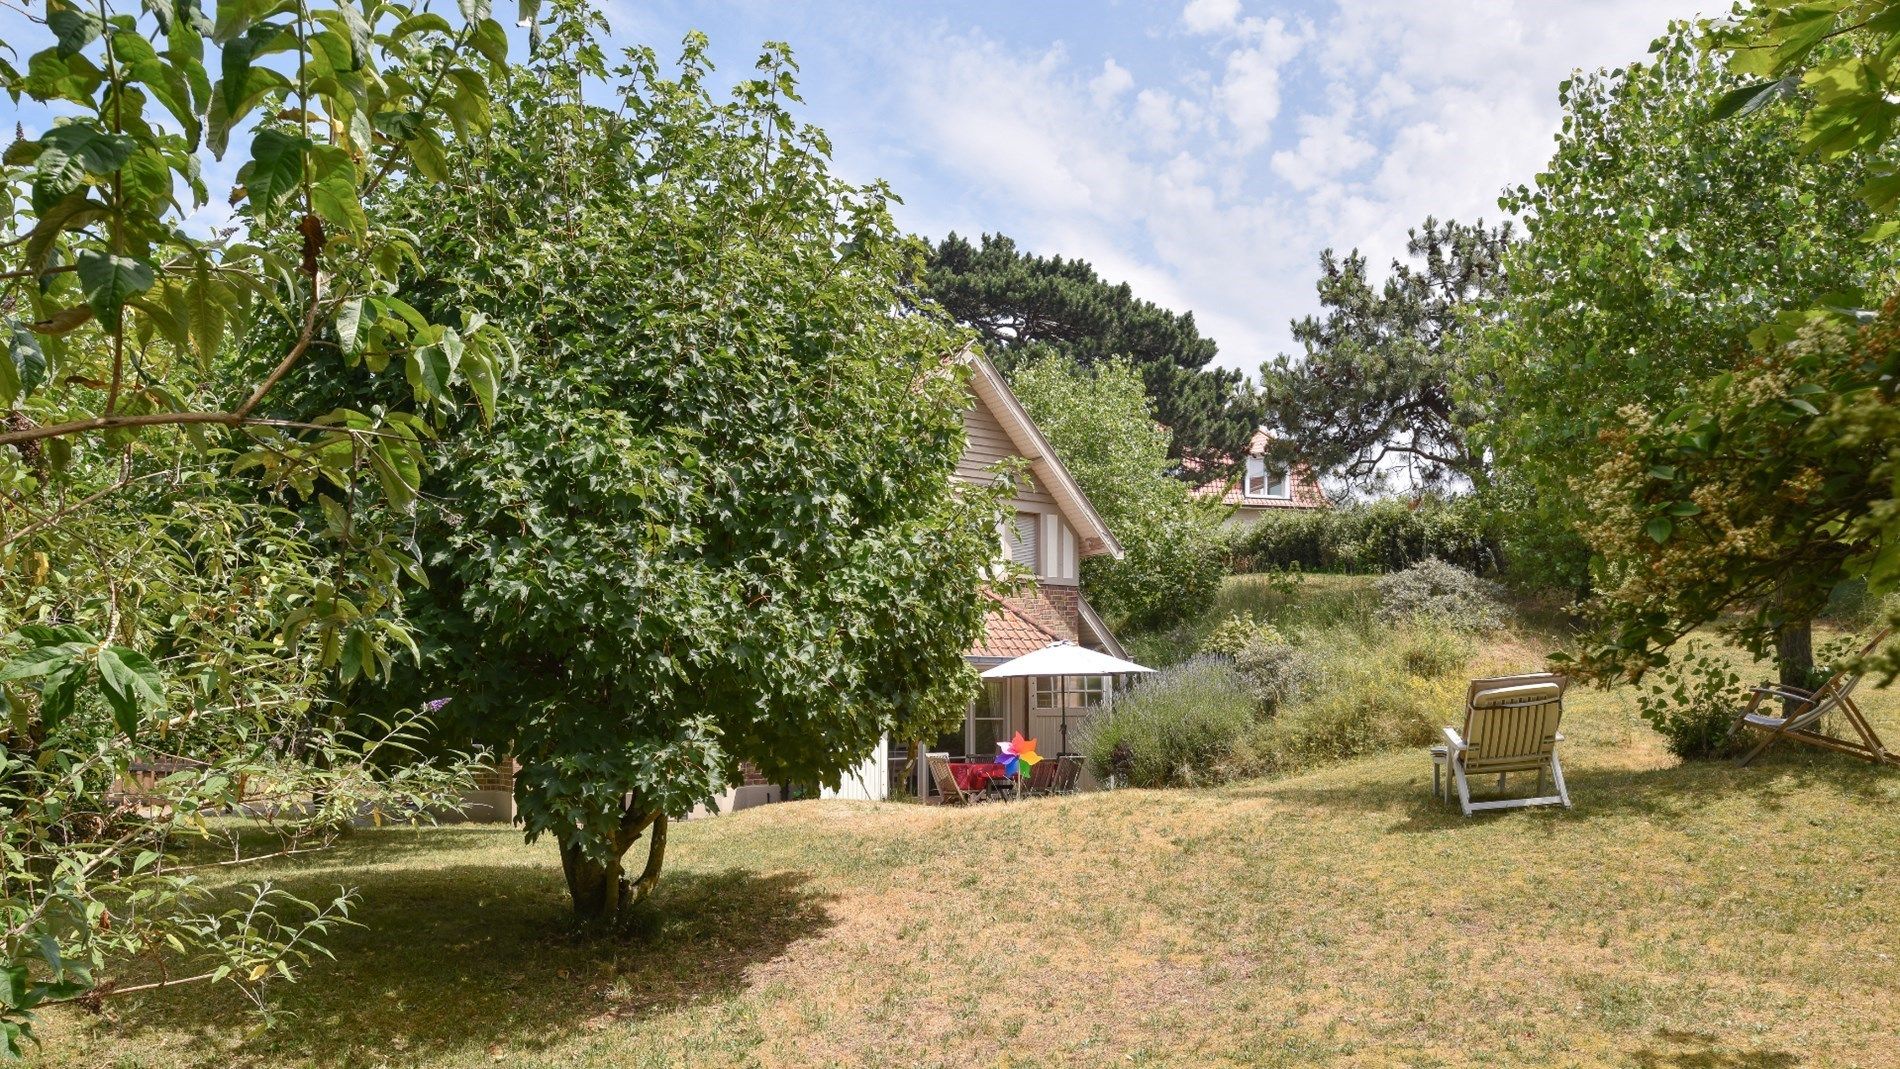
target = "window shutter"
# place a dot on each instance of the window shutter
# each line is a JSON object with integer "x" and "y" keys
{"x": 1024, "y": 550}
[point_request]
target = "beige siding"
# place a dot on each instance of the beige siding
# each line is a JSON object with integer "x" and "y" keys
{"x": 989, "y": 444}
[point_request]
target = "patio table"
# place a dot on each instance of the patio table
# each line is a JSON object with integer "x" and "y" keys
{"x": 986, "y": 776}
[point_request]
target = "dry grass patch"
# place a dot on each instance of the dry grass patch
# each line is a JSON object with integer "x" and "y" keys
{"x": 1680, "y": 916}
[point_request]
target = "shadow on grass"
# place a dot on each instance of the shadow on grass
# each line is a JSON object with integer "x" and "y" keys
{"x": 1664, "y": 793}
{"x": 1694, "y": 1051}
{"x": 461, "y": 959}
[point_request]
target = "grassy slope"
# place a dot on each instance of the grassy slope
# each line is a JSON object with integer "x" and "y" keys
{"x": 1693, "y": 916}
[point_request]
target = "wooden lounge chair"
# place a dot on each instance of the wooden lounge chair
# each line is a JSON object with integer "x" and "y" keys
{"x": 1510, "y": 726}
{"x": 1804, "y": 710}
{"x": 947, "y": 784}
{"x": 1068, "y": 773}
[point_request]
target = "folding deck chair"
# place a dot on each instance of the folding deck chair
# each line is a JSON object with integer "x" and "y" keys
{"x": 1510, "y": 726}
{"x": 1802, "y": 716}
{"x": 947, "y": 783}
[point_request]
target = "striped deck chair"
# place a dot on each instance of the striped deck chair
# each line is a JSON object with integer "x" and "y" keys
{"x": 1803, "y": 711}
{"x": 947, "y": 784}
{"x": 1510, "y": 726}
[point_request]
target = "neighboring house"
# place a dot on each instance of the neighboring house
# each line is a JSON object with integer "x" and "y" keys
{"x": 1264, "y": 485}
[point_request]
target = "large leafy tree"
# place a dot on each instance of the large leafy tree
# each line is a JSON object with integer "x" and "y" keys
{"x": 1101, "y": 420}
{"x": 1775, "y": 479}
{"x": 189, "y": 577}
{"x": 1750, "y": 502}
{"x": 1388, "y": 371}
{"x": 1657, "y": 240}
{"x": 1024, "y": 306}
{"x": 716, "y": 522}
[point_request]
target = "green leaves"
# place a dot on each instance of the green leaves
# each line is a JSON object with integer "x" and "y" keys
{"x": 110, "y": 281}
{"x": 276, "y": 170}
{"x": 71, "y": 153}
{"x": 62, "y": 662}
{"x": 24, "y": 367}
{"x": 1749, "y": 98}
{"x": 132, "y": 685}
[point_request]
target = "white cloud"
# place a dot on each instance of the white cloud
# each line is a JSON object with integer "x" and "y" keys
{"x": 1210, "y": 16}
{"x": 1327, "y": 148}
{"x": 1208, "y": 171}
{"x": 1111, "y": 83}
{"x": 1249, "y": 93}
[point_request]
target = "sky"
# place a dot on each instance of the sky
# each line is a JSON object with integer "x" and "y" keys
{"x": 1203, "y": 151}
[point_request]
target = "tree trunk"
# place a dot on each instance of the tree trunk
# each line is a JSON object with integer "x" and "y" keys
{"x": 600, "y": 891}
{"x": 1794, "y": 654}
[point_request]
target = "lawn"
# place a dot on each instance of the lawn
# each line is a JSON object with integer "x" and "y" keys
{"x": 1692, "y": 916}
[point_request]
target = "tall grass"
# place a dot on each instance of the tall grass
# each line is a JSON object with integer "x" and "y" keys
{"x": 1326, "y": 679}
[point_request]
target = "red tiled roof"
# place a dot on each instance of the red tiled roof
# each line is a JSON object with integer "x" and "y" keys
{"x": 1016, "y": 626}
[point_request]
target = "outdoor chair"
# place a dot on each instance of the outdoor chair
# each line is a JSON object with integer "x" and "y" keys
{"x": 1510, "y": 726}
{"x": 1042, "y": 778}
{"x": 1068, "y": 772}
{"x": 947, "y": 783}
{"x": 1804, "y": 710}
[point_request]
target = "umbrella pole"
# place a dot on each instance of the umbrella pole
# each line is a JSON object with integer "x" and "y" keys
{"x": 1064, "y": 699}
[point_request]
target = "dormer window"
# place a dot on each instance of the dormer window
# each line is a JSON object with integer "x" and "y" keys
{"x": 1266, "y": 481}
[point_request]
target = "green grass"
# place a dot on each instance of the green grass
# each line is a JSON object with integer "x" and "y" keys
{"x": 1693, "y": 916}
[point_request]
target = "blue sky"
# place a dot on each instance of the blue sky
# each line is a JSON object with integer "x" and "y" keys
{"x": 1204, "y": 151}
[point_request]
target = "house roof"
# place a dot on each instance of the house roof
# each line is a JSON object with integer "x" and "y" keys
{"x": 1092, "y": 534}
{"x": 1304, "y": 489}
{"x": 1016, "y": 626}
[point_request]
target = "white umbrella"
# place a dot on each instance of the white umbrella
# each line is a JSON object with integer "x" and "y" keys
{"x": 1062, "y": 660}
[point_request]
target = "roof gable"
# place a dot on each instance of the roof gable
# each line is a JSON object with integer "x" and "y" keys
{"x": 992, "y": 392}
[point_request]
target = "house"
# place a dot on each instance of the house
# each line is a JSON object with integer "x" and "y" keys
{"x": 1264, "y": 485}
{"x": 1053, "y": 529}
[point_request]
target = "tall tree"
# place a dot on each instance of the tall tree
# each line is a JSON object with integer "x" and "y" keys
{"x": 1657, "y": 240}
{"x": 717, "y": 522}
{"x": 1387, "y": 370}
{"x": 1775, "y": 479}
{"x": 1101, "y": 420}
{"x": 188, "y": 570}
{"x": 1024, "y": 306}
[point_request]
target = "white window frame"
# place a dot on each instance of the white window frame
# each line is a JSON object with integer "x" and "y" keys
{"x": 992, "y": 707}
{"x": 1266, "y": 482}
{"x": 1084, "y": 692}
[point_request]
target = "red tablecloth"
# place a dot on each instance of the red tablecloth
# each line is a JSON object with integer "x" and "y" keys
{"x": 973, "y": 776}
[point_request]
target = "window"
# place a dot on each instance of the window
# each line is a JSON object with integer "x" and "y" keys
{"x": 1264, "y": 481}
{"x": 1025, "y": 547}
{"x": 1085, "y": 692}
{"x": 989, "y": 721}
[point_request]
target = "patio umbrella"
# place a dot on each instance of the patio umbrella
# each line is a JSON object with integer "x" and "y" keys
{"x": 1063, "y": 660}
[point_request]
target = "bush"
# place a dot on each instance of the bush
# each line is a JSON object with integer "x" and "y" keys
{"x": 1433, "y": 653}
{"x": 1437, "y": 594}
{"x": 1237, "y": 632}
{"x": 1369, "y": 701}
{"x": 1693, "y": 701}
{"x": 1178, "y": 729}
{"x": 1276, "y": 671}
{"x": 1380, "y": 536}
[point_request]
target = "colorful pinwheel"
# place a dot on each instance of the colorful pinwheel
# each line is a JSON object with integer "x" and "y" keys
{"x": 1017, "y": 754}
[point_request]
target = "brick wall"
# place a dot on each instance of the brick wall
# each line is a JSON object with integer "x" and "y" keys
{"x": 1066, "y": 603}
{"x": 499, "y": 778}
